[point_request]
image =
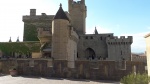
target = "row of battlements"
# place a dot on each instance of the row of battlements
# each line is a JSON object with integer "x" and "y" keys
{"x": 121, "y": 37}
{"x": 120, "y": 40}
{"x": 33, "y": 16}
{"x": 139, "y": 57}
{"x": 95, "y": 37}
{"x": 78, "y": 2}
{"x": 38, "y": 18}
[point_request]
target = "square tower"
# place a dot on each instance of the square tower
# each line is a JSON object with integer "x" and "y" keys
{"x": 77, "y": 12}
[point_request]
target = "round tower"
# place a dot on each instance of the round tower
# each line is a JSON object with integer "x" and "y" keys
{"x": 60, "y": 35}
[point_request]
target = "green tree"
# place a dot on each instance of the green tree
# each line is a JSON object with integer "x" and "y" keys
{"x": 136, "y": 79}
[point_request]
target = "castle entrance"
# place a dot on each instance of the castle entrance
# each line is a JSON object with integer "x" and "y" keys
{"x": 89, "y": 53}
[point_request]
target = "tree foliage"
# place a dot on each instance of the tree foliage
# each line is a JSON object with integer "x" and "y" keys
{"x": 19, "y": 47}
{"x": 30, "y": 32}
{"x": 136, "y": 79}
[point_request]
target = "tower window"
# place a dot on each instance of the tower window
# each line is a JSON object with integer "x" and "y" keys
{"x": 46, "y": 29}
{"x": 91, "y": 37}
{"x": 121, "y": 52}
{"x": 101, "y": 38}
{"x": 86, "y": 37}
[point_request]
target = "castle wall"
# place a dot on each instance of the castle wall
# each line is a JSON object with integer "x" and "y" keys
{"x": 77, "y": 9}
{"x": 60, "y": 39}
{"x": 36, "y": 55}
{"x": 32, "y": 22}
{"x": 44, "y": 35}
{"x": 83, "y": 69}
{"x": 72, "y": 48}
{"x": 72, "y": 53}
{"x": 119, "y": 48}
{"x": 95, "y": 42}
{"x": 135, "y": 57}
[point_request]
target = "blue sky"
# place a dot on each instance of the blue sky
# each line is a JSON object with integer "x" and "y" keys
{"x": 121, "y": 17}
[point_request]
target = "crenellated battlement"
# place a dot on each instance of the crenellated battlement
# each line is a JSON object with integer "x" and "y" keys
{"x": 76, "y": 9}
{"x": 76, "y": 2}
{"x": 35, "y": 18}
{"x": 95, "y": 37}
{"x": 121, "y": 40}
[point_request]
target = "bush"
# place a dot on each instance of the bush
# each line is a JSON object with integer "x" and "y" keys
{"x": 135, "y": 79}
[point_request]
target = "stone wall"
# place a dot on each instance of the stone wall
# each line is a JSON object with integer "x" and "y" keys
{"x": 119, "y": 48}
{"x": 96, "y": 42}
{"x": 107, "y": 70}
{"x": 147, "y": 38}
{"x": 77, "y": 9}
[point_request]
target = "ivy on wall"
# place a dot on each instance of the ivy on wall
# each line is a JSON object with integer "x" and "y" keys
{"x": 30, "y": 32}
{"x": 19, "y": 47}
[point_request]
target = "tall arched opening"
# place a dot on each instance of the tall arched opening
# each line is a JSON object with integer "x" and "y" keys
{"x": 90, "y": 54}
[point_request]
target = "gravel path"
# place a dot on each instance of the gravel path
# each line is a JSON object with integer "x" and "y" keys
{"x": 7, "y": 79}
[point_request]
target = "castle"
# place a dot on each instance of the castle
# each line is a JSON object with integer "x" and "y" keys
{"x": 59, "y": 47}
{"x": 62, "y": 36}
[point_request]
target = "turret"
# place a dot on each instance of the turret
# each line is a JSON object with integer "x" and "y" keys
{"x": 77, "y": 12}
{"x": 60, "y": 35}
{"x": 119, "y": 48}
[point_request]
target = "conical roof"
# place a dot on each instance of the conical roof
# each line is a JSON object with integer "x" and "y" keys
{"x": 61, "y": 14}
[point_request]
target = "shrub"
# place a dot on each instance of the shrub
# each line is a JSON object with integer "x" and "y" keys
{"x": 135, "y": 79}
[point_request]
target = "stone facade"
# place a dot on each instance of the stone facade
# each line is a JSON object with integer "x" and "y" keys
{"x": 66, "y": 51}
{"x": 148, "y": 52}
{"x": 107, "y": 70}
{"x": 75, "y": 10}
{"x": 33, "y": 23}
{"x": 140, "y": 58}
{"x": 89, "y": 46}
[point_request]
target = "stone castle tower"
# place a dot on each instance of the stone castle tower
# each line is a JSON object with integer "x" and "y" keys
{"x": 78, "y": 22}
{"x": 57, "y": 46}
{"x": 62, "y": 36}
